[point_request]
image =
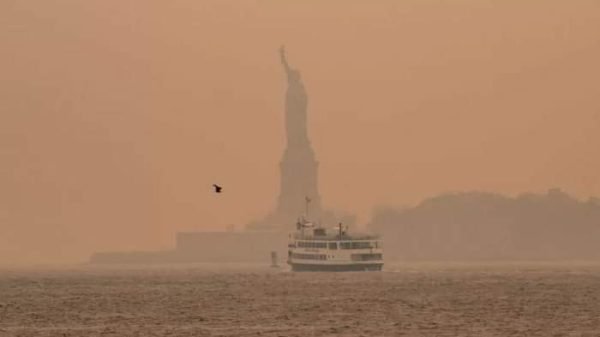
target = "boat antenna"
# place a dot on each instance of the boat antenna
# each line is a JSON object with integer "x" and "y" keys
{"x": 307, "y": 199}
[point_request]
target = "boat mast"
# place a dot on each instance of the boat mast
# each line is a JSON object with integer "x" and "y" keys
{"x": 307, "y": 199}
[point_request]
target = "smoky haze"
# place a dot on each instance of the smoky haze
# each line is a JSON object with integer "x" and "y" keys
{"x": 117, "y": 116}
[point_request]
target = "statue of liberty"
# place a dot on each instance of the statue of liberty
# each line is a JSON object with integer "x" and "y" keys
{"x": 296, "y": 104}
{"x": 299, "y": 181}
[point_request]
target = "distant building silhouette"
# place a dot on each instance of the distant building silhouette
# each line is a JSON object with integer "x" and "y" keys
{"x": 466, "y": 226}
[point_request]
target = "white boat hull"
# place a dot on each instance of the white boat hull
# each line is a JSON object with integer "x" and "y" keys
{"x": 336, "y": 267}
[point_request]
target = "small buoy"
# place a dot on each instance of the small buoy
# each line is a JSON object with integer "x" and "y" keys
{"x": 274, "y": 260}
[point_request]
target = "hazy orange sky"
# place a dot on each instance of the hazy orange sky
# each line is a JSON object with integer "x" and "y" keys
{"x": 117, "y": 116}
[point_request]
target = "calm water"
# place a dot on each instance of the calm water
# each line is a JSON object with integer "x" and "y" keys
{"x": 205, "y": 300}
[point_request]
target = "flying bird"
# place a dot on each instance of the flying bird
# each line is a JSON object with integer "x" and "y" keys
{"x": 217, "y": 188}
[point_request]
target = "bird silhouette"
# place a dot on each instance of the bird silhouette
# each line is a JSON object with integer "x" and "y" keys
{"x": 217, "y": 188}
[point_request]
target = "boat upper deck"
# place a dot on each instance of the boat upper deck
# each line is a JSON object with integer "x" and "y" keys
{"x": 336, "y": 237}
{"x": 306, "y": 230}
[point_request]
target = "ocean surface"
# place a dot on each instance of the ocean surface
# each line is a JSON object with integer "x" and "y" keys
{"x": 500, "y": 299}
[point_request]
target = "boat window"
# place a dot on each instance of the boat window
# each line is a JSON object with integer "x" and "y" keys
{"x": 312, "y": 244}
{"x": 356, "y": 245}
{"x": 366, "y": 257}
{"x": 309, "y": 256}
{"x": 319, "y": 232}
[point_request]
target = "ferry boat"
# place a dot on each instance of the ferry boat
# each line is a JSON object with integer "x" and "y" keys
{"x": 313, "y": 248}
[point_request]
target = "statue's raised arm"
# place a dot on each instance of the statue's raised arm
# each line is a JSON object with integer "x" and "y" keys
{"x": 284, "y": 62}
